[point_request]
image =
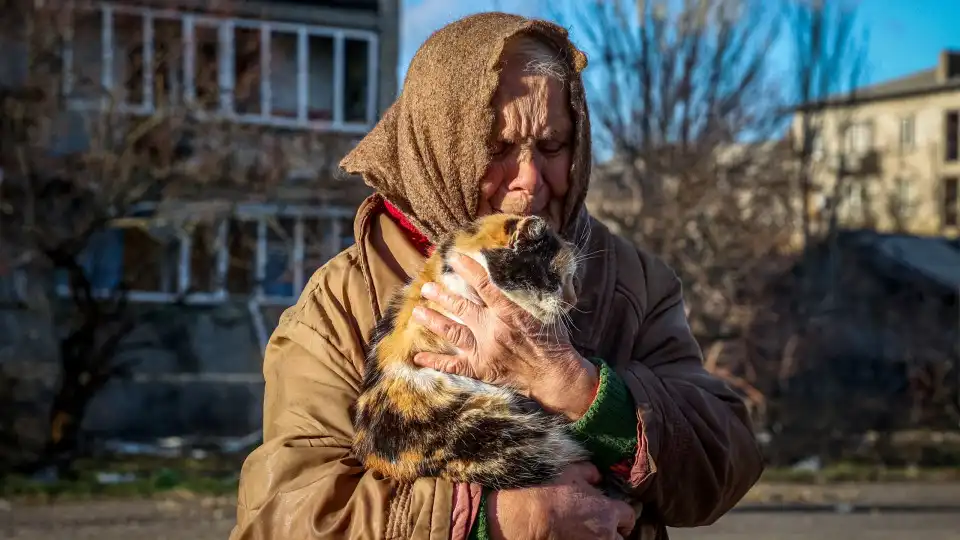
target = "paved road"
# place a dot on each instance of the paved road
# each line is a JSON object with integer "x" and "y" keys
{"x": 210, "y": 519}
{"x": 820, "y": 526}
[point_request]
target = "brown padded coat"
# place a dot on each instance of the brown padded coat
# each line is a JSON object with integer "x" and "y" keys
{"x": 696, "y": 455}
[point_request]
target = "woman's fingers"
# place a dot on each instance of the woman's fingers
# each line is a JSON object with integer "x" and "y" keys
{"x": 477, "y": 277}
{"x": 456, "y": 305}
{"x": 441, "y": 362}
{"x": 626, "y": 517}
{"x": 454, "y": 333}
{"x": 584, "y": 471}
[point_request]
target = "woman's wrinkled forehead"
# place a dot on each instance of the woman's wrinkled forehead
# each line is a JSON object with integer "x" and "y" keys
{"x": 534, "y": 106}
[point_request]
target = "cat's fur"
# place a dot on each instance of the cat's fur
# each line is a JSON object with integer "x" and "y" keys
{"x": 415, "y": 422}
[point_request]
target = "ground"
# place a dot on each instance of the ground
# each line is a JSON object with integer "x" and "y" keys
{"x": 842, "y": 512}
{"x": 796, "y": 525}
{"x": 212, "y": 520}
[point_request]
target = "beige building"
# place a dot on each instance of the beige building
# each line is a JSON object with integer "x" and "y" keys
{"x": 889, "y": 155}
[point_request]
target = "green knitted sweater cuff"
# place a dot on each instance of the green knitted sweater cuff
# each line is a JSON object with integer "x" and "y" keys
{"x": 609, "y": 427}
{"x": 481, "y": 527}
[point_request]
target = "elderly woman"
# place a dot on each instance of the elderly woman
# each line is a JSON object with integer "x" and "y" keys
{"x": 492, "y": 118}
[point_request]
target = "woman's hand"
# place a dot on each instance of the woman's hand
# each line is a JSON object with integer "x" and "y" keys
{"x": 571, "y": 508}
{"x": 502, "y": 344}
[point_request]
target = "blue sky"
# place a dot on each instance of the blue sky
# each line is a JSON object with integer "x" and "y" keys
{"x": 905, "y": 35}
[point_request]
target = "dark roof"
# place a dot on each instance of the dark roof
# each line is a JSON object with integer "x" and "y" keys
{"x": 926, "y": 264}
{"x": 913, "y": 84}
{"x": 905, "y": 257}
{"x": 909, "y": 83}
{"x": 935, "y": 259}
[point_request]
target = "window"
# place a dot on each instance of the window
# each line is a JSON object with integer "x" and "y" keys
{"x": 854, "y": 195}
{"x": 952, "y": 136}
{"x": 259, "y": 252}
{"x": 858, "y": 137}
{"x": 904, "y": 189}
{"x": 902, "y": 200}
{"x": 812, "y": 137}
{"x": 907, "y": 133}
{"x": 143, "y": 261}
{"x": 817, "y": 145}
{"x": 951, "y": 202}
{"x": 140, "y": 60}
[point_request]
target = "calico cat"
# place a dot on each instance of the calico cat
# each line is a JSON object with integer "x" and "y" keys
{"x": 415, "y": 422}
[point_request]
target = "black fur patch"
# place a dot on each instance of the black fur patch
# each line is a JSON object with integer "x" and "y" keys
{"x": 525, "y": 267}
{"x": 510, "y": 226}
{"x": 472, "y": 228}
{"x": 443, "y": 250}
{"x": 386, "y": 324}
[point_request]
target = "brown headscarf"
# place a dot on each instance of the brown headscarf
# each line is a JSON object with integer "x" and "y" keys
{"x": 430, "y": 150}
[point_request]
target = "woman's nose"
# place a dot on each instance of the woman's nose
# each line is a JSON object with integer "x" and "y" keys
{"x": 528, "y": 177}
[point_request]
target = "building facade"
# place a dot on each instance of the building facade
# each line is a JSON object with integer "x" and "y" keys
{"x": 889, "y": 155}
{"x": 258, "y": 88}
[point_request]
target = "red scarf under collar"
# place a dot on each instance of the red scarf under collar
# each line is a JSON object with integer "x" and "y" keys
{"x": 417, "y": 238}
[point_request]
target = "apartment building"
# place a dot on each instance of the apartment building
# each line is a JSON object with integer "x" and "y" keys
{"x": 889, "y": 155}
{"x": 281, "y": 88}
{"x": 287, "y": 84}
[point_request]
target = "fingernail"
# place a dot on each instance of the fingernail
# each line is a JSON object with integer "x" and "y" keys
{"x": 419, "y": 313}
{"x": 429, "y": 289}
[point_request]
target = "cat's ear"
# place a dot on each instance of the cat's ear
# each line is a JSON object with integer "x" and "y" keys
{"x": 533, "y": 228}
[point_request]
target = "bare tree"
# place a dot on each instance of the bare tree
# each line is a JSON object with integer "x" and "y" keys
{"x": 829, "y": 60}
{"x": 689, "y": 114}
{"x": 686, "y": 115}
{"x": 76, "y": 164}
{"x": 828, "y": 68}
{"x": 80, "y": 163}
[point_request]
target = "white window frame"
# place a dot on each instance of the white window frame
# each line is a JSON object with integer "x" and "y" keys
{"x": 858, "y": 138}
{"x": 908, "y": 132}
{"x": 226, "y": 26}
{"x": 904, "y": 189}
{"x": 816, "y": 144}
{"x": 258, "y": 213}
{"x": 854, "y": 199}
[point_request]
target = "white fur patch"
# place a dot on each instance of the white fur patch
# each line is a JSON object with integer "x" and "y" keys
{"x": 458, "y": 286}
{"x": 481, "y": 260}
{"x": 474, "y": 386}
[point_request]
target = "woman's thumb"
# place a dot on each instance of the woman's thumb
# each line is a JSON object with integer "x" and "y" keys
{"x": 585, "y": 471}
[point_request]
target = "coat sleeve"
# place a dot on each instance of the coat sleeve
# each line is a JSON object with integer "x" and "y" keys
{"x": 303, "y": 483}
{"x": 696, "y": 454}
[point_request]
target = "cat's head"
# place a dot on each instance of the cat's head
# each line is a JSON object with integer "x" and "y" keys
{"x": 526, "y": 259}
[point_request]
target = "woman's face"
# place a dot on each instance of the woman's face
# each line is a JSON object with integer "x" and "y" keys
{"x": 529, "y": 173}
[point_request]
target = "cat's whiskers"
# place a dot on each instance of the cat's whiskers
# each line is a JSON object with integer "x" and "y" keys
{"x": 584, "y": 234}
{"x": 567, "y": 321}
{"x": 581, "y": 257}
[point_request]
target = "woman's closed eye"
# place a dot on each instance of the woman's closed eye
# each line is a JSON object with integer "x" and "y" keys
{"x": 550, "y": 148}
{"x": 501, "y": 148}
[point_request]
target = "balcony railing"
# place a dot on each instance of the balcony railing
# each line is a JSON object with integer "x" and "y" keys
{"x": 140, "y": 60}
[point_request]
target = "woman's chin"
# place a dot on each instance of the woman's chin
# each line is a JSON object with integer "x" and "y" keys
{"x": 519, "y": 206}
